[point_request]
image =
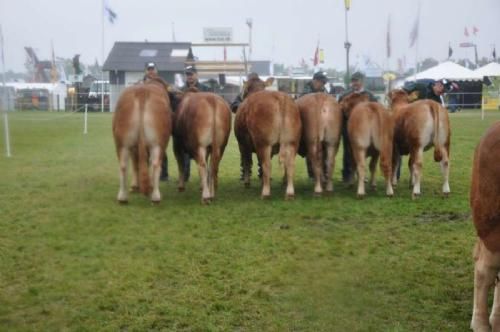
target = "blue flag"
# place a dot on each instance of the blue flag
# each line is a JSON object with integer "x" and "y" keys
{"x": 110, "y": 13}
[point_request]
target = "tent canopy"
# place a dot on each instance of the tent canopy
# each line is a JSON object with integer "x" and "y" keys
{"x": 448, "y": 70}
{"x": 491, "y": 69}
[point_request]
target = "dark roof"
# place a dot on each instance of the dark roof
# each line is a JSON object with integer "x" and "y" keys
{"x": 261, "y": 67}
{"x": 132, "y": 56}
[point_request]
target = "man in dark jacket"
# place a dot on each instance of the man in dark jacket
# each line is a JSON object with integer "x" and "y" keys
{"x": 192, "y": 80}
{"x": 433, "y": 90}
{"x": 234, "y": 107}
{"x": 317, "y": 84}
{"x": 357, "y": 85}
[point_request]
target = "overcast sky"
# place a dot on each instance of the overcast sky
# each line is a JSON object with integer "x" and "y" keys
{"x": 284, "y": 31}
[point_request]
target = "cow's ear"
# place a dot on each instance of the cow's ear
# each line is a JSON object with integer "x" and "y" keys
{"x": 269, "y": 81}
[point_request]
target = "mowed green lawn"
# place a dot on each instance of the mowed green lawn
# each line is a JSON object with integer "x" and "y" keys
{"x": 71, "y": 258}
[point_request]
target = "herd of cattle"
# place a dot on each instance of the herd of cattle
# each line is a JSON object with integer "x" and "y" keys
{"x": 271, "y": 122}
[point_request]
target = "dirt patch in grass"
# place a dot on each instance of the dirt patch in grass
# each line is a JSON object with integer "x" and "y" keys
{"x": 446, "y": 216}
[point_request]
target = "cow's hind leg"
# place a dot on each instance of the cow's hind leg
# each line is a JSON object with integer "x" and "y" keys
{"x": 485, "y": 271}
{"x": 495, "y": 310}
{"x": 264, "y": 155}
{"x": 214, "y": 170}
{"x": 329, "y": 151}
{"x": 359, "y": 155}
{"x": 396, "y": 163}
{"x": 386, "y": 167}
{"x": 203, "y": 170}
{"x": 123, "y": 156}
{"x": 315, "y": 161}
{"x": 373, "y": 170}
{"x": 246, "y": 164}
{"x": 445, "y": 170}
{"x": 155, "y": 162}
{"x": 289, "y": 156}
{"x": 179, "y": 157}
{"x": 134, "y": 155}
{"x": 417, "y": 171}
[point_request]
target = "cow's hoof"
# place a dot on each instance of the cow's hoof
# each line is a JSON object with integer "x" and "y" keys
{"x": 265, "y": 197}
{"x": 317, "y": 194}
{"x": 289, "y": 197}
{"x": 390, "y": 195}
{"x": 415, "y": 196}
{"x": 360, "y": 196}
{"x": 206, "y": 201}
{"x": 134, "y": 189}
{"x": 373, "y": 188}
{"x": 181, "y": 189}
{"x": 247, "y": 185}
{"x": 155, "y": 202}
{"x": 123, "y": 202}
{"x": 446, "y": 195}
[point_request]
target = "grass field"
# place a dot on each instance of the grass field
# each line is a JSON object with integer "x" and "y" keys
{"x": 71, "y": 258}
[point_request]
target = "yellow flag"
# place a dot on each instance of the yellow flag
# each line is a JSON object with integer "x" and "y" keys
{"x": 321, "y": 56}
{"x": 347, "y": 4}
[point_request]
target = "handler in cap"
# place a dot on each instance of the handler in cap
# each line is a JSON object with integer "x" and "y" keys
{"x": 356, "y": 86}
{"x": 192, "y": 80}
{"x": 317, "y": 84}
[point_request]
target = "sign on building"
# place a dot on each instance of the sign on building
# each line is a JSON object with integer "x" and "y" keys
{"x": 218, "y": 35}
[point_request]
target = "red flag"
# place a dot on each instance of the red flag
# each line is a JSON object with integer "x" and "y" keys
{"x": 316, "y": 56}
{"x": 466, "y": 32}
{"x": 475, "y": 30}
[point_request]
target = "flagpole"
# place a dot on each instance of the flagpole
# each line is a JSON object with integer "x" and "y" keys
{"x": 5, "y": 103}
{"x": 102, "y": 59}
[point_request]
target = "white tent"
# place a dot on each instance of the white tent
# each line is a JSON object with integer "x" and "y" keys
{"x": 448, "y": 70}
{"x": 491, "y": 69}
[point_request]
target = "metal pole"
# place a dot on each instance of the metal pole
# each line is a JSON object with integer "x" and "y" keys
{"x": 85, "y": 120}
{"x": 102, "y": 62}
{"x": 5, "y": 103}
{"x": 347, "y": 46}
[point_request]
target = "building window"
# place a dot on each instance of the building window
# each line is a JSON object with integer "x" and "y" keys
{"x": 148, "y": 53}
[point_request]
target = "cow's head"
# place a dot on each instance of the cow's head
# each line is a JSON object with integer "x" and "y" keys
{"x": 255, "y": 84}
{"x": 351, "y": 100}
{"x": 398, "y": 96}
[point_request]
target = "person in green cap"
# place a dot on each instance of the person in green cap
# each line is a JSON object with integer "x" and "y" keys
{"x": 356, "y": 86}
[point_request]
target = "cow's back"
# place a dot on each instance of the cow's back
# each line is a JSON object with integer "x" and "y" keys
{"x": 196, "y": 118}
{"x": 143, "y": 106}
{"x": 370, "y": 123}
{"x": 271, "y": 117}
{"x": 319, "y": 112}
{"x": 414, "y": 125}
{"x": 485, "y": 189}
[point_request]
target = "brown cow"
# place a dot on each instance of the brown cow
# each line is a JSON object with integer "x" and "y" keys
{"x": 202, "y": 123}
{"x": 419, "y": 126}
{"x": 370, "y": 127}
{"x": 141, "y": 130}
{"x": 485, "y": 204}
{"x": 268, "y": 122}
{"x": 321, "y": 128}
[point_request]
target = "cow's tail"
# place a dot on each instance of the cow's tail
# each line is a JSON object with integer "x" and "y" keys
{"x": 282, "y": 134}
{"x": 144, "y": 182}
{"x": 435, "y": 110}
{"x": 215, "y": 142}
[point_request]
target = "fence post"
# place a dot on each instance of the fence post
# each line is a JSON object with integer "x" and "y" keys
{"x": 85, "y": 121}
